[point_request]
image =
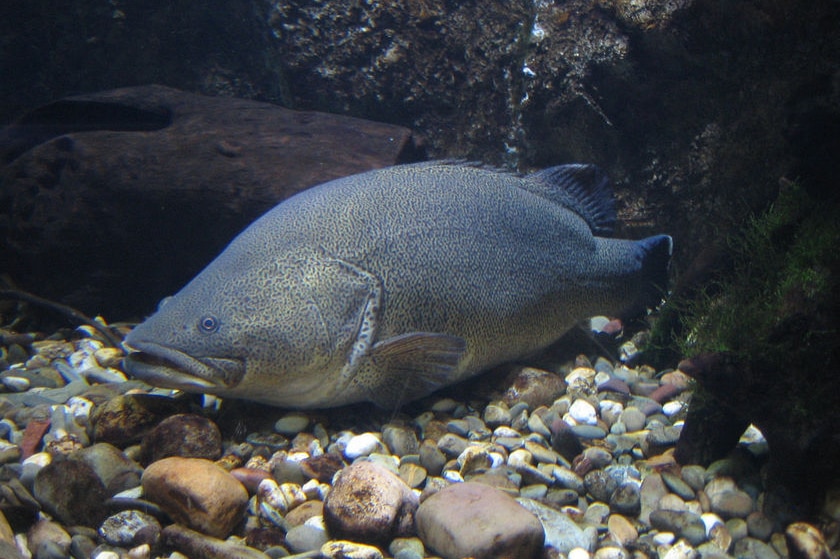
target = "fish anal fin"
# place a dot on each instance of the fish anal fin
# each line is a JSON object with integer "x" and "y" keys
{"x": 409, "y": 366}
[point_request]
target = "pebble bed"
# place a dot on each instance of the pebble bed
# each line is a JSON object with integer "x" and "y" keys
{"x": 572, "y": 464}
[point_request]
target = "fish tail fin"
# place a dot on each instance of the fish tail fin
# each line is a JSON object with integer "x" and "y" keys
{"x": 655, "y": 256}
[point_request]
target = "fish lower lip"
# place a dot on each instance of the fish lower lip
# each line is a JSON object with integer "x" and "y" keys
{"x": 164, "y": 366}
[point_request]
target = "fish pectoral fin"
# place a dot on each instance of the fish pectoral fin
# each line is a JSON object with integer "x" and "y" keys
{"x": 409, "y": 366}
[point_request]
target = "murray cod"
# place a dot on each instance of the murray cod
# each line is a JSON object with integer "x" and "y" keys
{"x": 390, "y": 284}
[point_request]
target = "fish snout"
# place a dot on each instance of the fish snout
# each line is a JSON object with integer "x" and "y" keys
{"x": 168, "y": 367}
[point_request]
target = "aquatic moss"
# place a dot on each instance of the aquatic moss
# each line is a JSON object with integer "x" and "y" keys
{"x": 783, "y": 279}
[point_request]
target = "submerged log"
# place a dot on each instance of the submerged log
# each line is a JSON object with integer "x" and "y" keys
{"x": 113, "y": 200}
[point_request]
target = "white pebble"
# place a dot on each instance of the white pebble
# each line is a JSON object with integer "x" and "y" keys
{"x": 583, "y": 412}
{"x": 610, "y": 552}
{"x": 16, "y": 384}
{"x": 133, "y": 493}
{"x": 611, "y": 406}
{"x": 710, "y": 520}
{"x": 363, "y": 445}
{"x": 681, "y": 550}
{"x": 581, "y": 374}
{"x": 310, "y": 488}
{"x": 270, "y": 495}
{"x": 664, "y": 538}
{"x": 107, "y": 555}
{"x": 496, "y": 459}
{"x": 316, "y": 522}
{"x": 601, "y": 378}
{"x": 40, "y": 459}
{"x": 503, "y": 431}
{"x": 520, "y": 457}
{"x": 752, "y": 436}
{"x": 83, "y": 359}
{"x": 453, "y": 476}
{"x": 80, "y": 408}
{"x": 140, "y": 552}
{"x": 672, "y": 408}
{"x": 297, "y": 456}
{"x": 578, "y": 553}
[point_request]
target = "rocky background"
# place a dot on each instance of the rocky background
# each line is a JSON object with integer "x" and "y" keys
{"x": 696, "y": 108}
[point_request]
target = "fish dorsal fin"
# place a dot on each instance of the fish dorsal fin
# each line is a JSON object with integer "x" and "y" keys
{"x": 584, "y": 189}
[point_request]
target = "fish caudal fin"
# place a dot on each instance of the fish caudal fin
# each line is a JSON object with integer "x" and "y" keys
{"x": 655, "y": 256}
{"x": 410, "y": 366}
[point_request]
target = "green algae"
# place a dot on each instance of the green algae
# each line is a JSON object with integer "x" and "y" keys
{"x": 777, "y": 300}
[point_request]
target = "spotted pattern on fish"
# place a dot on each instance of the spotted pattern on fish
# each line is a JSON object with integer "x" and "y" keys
{"x": 387, "y": 285}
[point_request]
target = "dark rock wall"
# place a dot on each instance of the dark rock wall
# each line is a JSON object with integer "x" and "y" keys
{"x": 694, "y": 107}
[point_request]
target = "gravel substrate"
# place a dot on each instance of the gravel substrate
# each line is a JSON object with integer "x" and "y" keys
{"x": 575, "y": 463}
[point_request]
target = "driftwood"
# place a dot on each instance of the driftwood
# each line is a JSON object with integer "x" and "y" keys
{"x": 111, "y": 201}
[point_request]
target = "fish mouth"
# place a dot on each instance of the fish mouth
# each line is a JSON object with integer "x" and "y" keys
{"x": 167, "y": 367}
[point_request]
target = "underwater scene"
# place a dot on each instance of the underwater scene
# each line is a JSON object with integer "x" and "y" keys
{"x": 355, "y": 279}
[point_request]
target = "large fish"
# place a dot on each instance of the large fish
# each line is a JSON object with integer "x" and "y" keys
{"x": 388, "y": 285}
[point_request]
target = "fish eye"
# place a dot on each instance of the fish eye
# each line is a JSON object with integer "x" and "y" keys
{"x": 208, "y": 324}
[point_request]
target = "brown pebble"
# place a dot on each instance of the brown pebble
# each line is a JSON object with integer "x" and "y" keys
{"x": 195, "y": 544}
{"x": 32, "y": 436}
{"x": 664, "y": 393}
{"x": 323, "y": 467}
{"x": 369, "y": 504}
{"x": 184, "y": 435}
{"x": 197, "y": 493}
{"x": 250, "y": 477}
{"x": 304, "y": 512}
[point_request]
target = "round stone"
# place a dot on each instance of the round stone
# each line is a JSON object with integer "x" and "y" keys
{"x": 407, "y": 548}
{"x": 369, "y": 504}
{"x": 196, "y": 493}
{"x": 123, "y": 420}
{"x": 184, "y": 435}
{"x": 621, "y": 530}
{"x": 130, "y": 528}
{"x": 600, "y": 485}
{"x": 626, "y": 500}
{"x": 303, "y": 538}
{"x": 363, "y": 445}
{"x": 291, "y": 424}
{"x": 589, "y": 431}
{"x": 598, "y": 457}
{"x": 759, "y": 526}
{"x": 400, "y": 439}
{"x": 452, "y": 445}
{"x": 561, "y": 532}
{"x": 49, "y": 540}
{"x": 340, "y": 549}
{"x": 412, "y": 474}
{"x": 731, "y": 504}
{"x": 71, "y": 492}
{"x": 534, "y": 387}
{"x": 633, "y": 419}
{"x": 806, "y": 541}
{"x": 583, "y": 412}
{"x": 678, "y": 486}
{"x": 684, "y": 524}
{"x": 751, "y": 548}
{"x": 477, "y": 520}
{"x": 497, "y": 414}
{"x": 116, "y": 470}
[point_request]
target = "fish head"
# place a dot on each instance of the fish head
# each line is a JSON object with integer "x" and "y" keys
{"x": 276, "y": 332}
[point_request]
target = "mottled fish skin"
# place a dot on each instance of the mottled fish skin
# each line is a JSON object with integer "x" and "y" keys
{"x": 387, "y": 285}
